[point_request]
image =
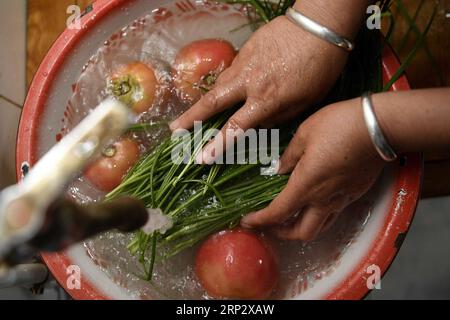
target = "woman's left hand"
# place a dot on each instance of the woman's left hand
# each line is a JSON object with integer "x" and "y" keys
{"x": 333, "y": 163}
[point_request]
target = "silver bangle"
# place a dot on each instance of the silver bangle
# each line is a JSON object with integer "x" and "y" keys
{"x": 319, "y": 30}
{"x": 376, "y": 134}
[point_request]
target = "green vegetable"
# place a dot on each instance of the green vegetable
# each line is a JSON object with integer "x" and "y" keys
{"x": 205, "y": 199}
{"x": 200, "y": 199}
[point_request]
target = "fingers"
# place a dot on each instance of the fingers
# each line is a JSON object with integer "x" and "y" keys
{"x": 330, "y": 221}
{"x": 286, "y": 205}
{"x": 306, "y": 228}
{"x": 292, "y": 199}
{"x": 292, "y": 154}
{"x": 247, "y": 117}
{"x": 283, "y": 117}
{"x": 218, "y": 99}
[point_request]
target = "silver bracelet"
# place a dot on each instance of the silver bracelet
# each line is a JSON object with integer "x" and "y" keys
{"x": 319, "y": 30}
{"x": 376, "y": 134}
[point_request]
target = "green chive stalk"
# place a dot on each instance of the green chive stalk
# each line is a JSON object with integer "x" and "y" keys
{"x": 200, "y": 199}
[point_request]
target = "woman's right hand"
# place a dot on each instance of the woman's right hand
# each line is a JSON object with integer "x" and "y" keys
{"x": 333, "y": 163}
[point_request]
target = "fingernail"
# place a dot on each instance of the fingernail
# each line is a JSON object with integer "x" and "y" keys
{"x": 211, "y": 153}
{"x": 246, "y": 221}
{"x": 273, "y": 170}
{"x": 174, "y": 125}
{"x": 246, "y": 226}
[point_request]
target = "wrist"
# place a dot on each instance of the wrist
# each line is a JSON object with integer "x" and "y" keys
{"x": 318, "y": 47}
{"x": 385, "y": 117}
{"x": 416, "y": 120}
{"x": 320, "y": 61}
{"x": 362, "y": 135}
{"x": 331, "y": 14}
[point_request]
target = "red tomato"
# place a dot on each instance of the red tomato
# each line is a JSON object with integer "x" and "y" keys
{"x": 198, "y": 65}
{"x": 135, "y": 85}
{"x": 237, "y": 264}
{"x": 107, "y": 172}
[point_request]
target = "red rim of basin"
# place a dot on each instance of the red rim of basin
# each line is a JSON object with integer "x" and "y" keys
{"x": 382, "y": 251}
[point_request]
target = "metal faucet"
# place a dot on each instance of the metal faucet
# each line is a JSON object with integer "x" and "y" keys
{"x": 36, "y": 216}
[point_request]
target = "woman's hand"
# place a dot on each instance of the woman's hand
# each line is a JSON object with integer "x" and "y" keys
{"x": 333, "y": 163}
{"x": 279, "y": 72}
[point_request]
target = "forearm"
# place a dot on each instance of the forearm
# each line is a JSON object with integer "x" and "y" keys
{"x": 342, "y": 16}
{"x": 415, "y": 121}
